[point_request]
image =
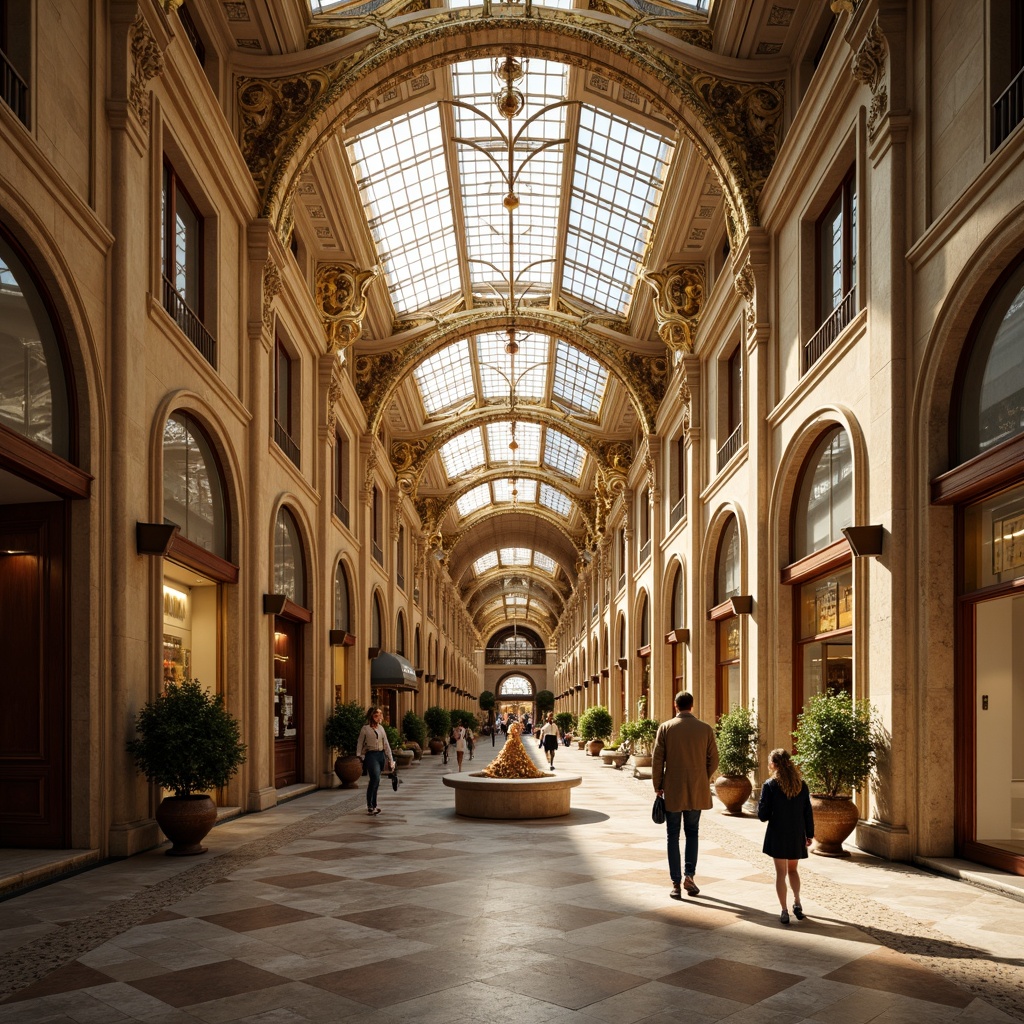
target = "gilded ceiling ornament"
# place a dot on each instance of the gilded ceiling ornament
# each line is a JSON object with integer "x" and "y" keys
{"x": 371, "y": 465}
{"x": 648, "y": 376}
{"x": 616, "y": 456}
{"x": 376, "y": 375}
{"x": 333, "y": 397}
{"x": 405, "y": 454}
{"x": 431, "y": 511}
{"x": 843, "y": 6}
{"x": 147, "y": 63}
{"x": 271, "y": 289}
{"x": 678, "y": 298}
{"x": 745, "y": 284}
{"x": 170, "y": 6}
{"x": 340, "y": 293}
{"x": 868, "y": 67}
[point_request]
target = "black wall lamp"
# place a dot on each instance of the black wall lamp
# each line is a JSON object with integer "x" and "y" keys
{"x": 864, "y": 540}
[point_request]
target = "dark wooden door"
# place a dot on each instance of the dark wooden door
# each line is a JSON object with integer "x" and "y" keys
{"x": 33, "y": 678}
{"x": 287, "y": 702}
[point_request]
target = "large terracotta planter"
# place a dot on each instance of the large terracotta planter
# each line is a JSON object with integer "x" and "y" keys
{"x": 348, "y": 769}
{"x": 594, "y": 747}
{"x": 835, "y": 817}
{"x": 733, "y": 791}
{"x": 186, "y": 820}
{"x": 642, "y": 760}
{"x": 436, "y": 745}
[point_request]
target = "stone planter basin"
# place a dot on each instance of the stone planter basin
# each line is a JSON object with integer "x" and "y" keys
{"x": 614, "y": 758}
{"x": 477, "y": 796}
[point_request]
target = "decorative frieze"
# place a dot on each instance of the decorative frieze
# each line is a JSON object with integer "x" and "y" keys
{"x": 868, "y": 67}
{"x": 147, "y": 63}
{"x": 271, "y": 289}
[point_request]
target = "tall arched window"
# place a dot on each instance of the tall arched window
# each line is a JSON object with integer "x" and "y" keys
{"x": 678, "y": 620}
{"x": 289, "y": 568}
{"x": 35, "y": 400}
{"x": 342, "y": 610}
{"x": 376, "y": 619}
{"x": 825, "y": 503}
{"x": 727, "y": 569}
{"x": 193, "y": 490}
{"x": 417, "y": 651}
{"x": 400, "y": 635}
{"x": 729, "y": 688}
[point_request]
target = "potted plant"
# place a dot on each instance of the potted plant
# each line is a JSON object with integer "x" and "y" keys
{"x": 439, "y": 724}
{"x": 415, "y": 730}
{"x": 736, "y": 735}
{"x": 396, "y": 741}
{"x": 642, "y": 734}
{"x": 188, "y": 743}
{"x": 596, "y": 727}
{"x": 487, "y": 703}
{"x": 836, "y": 742}
{"x": 341, "y": 733}
{"x": 545, "y": 702}
{"x": 564, "y": 720}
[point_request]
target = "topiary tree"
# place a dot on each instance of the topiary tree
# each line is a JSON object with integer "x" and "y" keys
{"x": 596, "y": 723}
{"x": 545, "y": 701}
{"x": 564, "y": 720}
{"x": 341, "y": 730}
{"x": 487, "y": 700}
{"x": 187, "y": 742}
{"x": 438, "y": 721}
{"x": 414, "y": 728}
{"x": 465, "y": 718}
{"x": 836, "y": 740}
{"x": 736, "y": 736}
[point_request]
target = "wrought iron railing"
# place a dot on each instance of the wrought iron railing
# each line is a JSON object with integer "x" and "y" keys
{"x": 283, "y": 440}
{"x": 730, "y": 448}
{"x": 678, "y": 511}
{"x": 378, "y": 553}
{"x": 830, "y": 329}
{"x": 500, "y": 656}
{"x": 189, "y": 322}
{"x": 15, "y": 89}
{"x": 1008, "y": 110}
{"x": 340, "y": 510}
{"x": 645, "y": 551}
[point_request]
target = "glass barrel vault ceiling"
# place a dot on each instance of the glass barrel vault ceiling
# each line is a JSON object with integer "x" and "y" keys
{"x": 586, "y": 202}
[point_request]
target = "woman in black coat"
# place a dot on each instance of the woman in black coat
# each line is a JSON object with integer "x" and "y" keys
{"x": 786, "y": 805}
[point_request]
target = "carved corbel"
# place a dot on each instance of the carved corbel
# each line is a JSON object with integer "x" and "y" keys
{"x": 678, "y": 300}
{"x": 396, "y": 518}
{"x": 271, "y": 289}
{"x": 341, "y": 299}
{"x": 868, "y": 67}
{"x": 371, "y": 466}
{"x": 333, "y": 397}
{"x": 147, "y": 63}
{"x": 745, "y": 284}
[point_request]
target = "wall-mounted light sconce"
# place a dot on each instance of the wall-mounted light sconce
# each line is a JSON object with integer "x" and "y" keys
{"x": 430, "y": 678}
{"x": 864, "y": 540}
{"x": 742, "y": 605}
{"x": 372, "y": 652}
{"x": 154, "y": 538}
{"x": 273, "y": 604}
{"x": 340, "y": 638}
{"x": 623, "y": 663}
{"x": 677, "y": 636}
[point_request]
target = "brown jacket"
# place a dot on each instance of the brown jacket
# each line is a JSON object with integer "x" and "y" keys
{"x": 685, "y": 759}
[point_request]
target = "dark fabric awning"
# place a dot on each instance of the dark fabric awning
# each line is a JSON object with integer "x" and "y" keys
{"x": 393, "y": 672}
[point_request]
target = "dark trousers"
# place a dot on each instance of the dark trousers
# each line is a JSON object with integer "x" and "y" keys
{"x": 690, "y": 821}
{"x": 374, "y": 766}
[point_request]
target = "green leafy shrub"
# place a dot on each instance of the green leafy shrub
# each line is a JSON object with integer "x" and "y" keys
{"x": 836, "y": 740}
{"x": 564, "y": 720}
{"x": 596, "y": 723}
{"x": 466, "y": 719}
{"x": 487, "y": 700}
{"x": 736, "y": 735}
{"x": 438, "y": 720}
{"x": 395, "y": 739}
{"x": 545, "y": 702}
{"x": 187, "y": 742}
{"x": 341, "y": 729}
{"x": 642, "y": 735}
{"x": 414, "y": 728}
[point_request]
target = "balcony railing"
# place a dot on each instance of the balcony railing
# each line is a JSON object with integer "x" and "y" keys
{"x": 645, "y": 551}
{"x": 500, "y": 656}
{"x": 190, "y": 324}
{"x": 378, "y": 553}
{"x": 830, "y": 329}
{"x": 340, "y": 510}
{"x": 678, "y": 511}
{"x": 400, "y": 577}
{"x": 283, "y": 440}
{"x": 1008, "y": 110}
{"x": 730, "y": 448}
{"x": 15, "y": 89}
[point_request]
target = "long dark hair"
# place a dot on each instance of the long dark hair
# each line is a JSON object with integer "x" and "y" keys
{"x": 785, "y": 772}
{"x": 370, "y": 712}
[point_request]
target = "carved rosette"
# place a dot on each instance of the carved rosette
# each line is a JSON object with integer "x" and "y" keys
{"x": 271, "y": 289}
{"x": 868, "y": 67}
{"x": 340, "y": 294}
{"x": 678, "y": 300}
{"x": 147, "y": 63}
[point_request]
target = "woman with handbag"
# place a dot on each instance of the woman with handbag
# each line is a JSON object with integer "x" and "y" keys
{"x": 459, "y": 739}
{"x": 549, "y": 739}
{"x": 373, "y": 749}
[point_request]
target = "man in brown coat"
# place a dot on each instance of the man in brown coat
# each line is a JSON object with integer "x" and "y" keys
{"x": 685, "y": 759}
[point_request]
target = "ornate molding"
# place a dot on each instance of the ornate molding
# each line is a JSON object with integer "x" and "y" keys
{"x": 746, "y": 285}
{"x": 271, "y": 289}
{"x": 340, "y": 294}
{"x": 868, "y": 67}
{"x": 678, "y": 300}
{"x": 648, "y": 376}
{"x": 147, "y": 63}
{"x": 333, "y": 396}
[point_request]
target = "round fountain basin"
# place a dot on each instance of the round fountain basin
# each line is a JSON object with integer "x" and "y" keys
{"x": 478, "y": 796}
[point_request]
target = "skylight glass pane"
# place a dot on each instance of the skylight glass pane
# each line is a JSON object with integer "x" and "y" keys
{"x": 446, "y": 378}
{"x": 565, "y": 5}
{"x": 515, "y": 556}
{"x": 563, "y": 453}
{"x": 617, "y": 183}
{"x": 463, "y": 453}
{"x": 474, "y": 499}
{"x": 515, "y": 601}
{"x": 488, "y": 223}
{"x": 556, "y": 500}
{"x": 485, "y": 562}
{"x": 402, "y": 179}
{"x": 531, "y": 365}
{"x": 544, "y": 562}
{"x": 527, "y": 490}
{"x": 527, "y": 437}
{"x": 579, "y": 380}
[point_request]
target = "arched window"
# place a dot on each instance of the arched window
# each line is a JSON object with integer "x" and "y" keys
{"x": 289, "y": 569}
{"x": 678, "y": 600}
{"x": 645, "y": 622}
{"x": 416, "y": 648}
{"x": 825, "y": 502}
{"x": 514, "y": 686}
{"x": 376, "y": 618}
{"x": 400, "y": 635}
{"x": 342, "y": 611}
{"x": 727, "y": 574}
{"x": 193, "y": 490}
{"x": 992, "y": 399}
{"x": 32, "y": 381}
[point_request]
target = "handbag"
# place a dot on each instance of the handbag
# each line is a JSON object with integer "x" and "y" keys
{"x": 658, "y": 811}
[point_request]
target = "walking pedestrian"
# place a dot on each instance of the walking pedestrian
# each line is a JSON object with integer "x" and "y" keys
{"x": 685, "y": 759}
{"x": 459, "y": 739}
{"x": 373, "y": 749}
{"x": 786, "y": 805}
{"x": 549, "y": 738}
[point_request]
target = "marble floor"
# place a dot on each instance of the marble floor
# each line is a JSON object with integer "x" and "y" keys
{"x": 314, "y": 911}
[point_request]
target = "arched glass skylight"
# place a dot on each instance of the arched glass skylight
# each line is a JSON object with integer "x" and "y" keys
{"x": 463, "y": 453}
{"x": 554, "y": 499}
{"x": 531, "y": 365}
{"x": 544, "y": 562}
{"x": 515, "y": 556}
{"x": 474, "y": 499}
{"x": 503, "y": 490}
{"x": 563, "y": 453}
{"x": 485, "y": 562}
{"x": 499, "y": 436}
{"x": 579, "y": 380}
{"x": 446, "y": 378}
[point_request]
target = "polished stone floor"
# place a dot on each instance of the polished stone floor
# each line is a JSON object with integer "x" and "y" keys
{"x": 316, "y": 912}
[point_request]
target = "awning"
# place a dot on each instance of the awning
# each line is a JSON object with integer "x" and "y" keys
{"x": 393, "y": 672}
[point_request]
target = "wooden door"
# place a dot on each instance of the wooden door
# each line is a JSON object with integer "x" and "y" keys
{"x": 33, "y": 680}
{"x": 287, "y": 702}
